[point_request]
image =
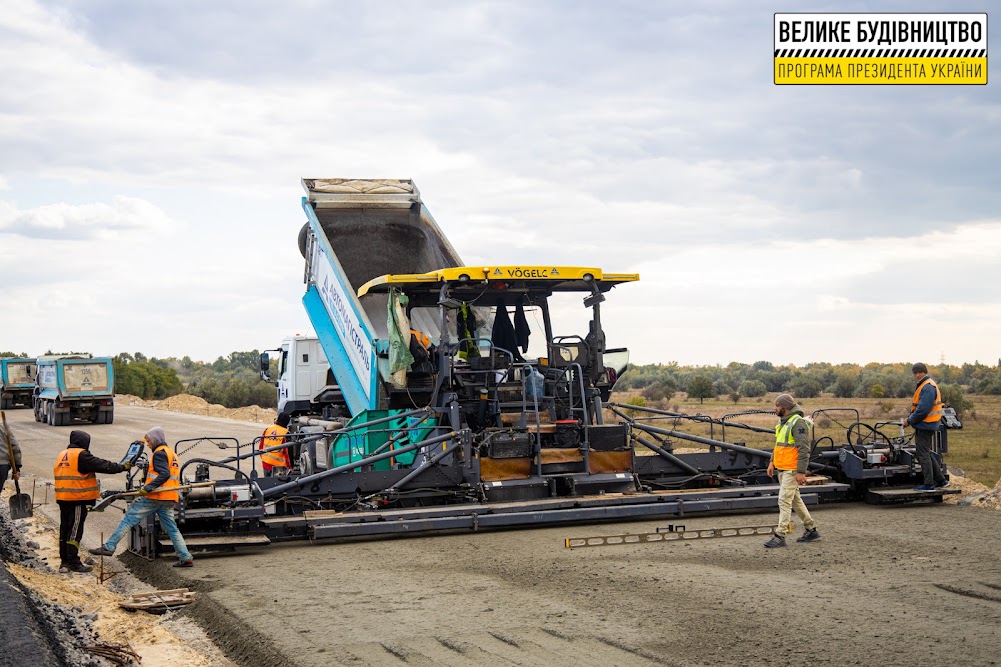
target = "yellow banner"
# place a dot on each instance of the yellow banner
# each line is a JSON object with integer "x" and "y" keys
{"x": 881, "y": 71}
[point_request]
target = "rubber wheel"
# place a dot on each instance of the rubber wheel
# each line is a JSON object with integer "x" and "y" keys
{"x": 109, "y": 417}
{"x": 50, "y": 415}
{"x": 303, "y": 238}
{"x": 38, "y": 413}
{"x": 4, "y": 404}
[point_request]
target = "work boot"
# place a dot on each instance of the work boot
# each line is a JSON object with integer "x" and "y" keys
{"x": 809, "y": 536}
{"x": 941, "y": 485}
{"x": 924, "y": 487}
{"x": 101, "y": 551}
{"x": 776, "y": 541}
{"x": 185, "y": 563}
{"x": 79, "y": 567}
{"x": 64, "y": 569}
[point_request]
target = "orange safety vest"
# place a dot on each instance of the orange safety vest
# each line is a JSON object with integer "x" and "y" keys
{"x": 167, "y": 490}
{"x": 935, "y": 414}
{"x": 274, "y": 435}
{"x": 786, "y": 453}
{"x": 422, "y": 338}
{"x": 71, "y": 484}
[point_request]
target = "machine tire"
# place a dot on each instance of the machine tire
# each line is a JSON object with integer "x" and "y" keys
{"x": 98, "y": 418}
{"x": 35, "y": 409}
{"x": 109, "y": 417}
{"x": 303, "y": 238}
{"x": 50, "y": 415}
{"x": 5, "y": 404}
{"x": 307, "y": 459}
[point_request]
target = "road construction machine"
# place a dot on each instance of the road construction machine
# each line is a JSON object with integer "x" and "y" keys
{"x": 457, "y": 397}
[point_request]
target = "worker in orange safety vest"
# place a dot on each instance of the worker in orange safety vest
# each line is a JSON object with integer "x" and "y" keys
{"x": 76, "y": 488}
{"x": 276, "y": 462}
{"x": 791, "y": 458}
{"x": 926, "y": 418}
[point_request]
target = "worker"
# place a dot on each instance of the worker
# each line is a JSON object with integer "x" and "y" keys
{"x": 76, "y": 490}
{"x": 158, "y": 495}
{"x": 276, "y": 462}
{"x": 13, "y": 468}
{"x": 424, "y": 353}
{"x": 926, "y": 418}
{"x": 790, "y": 458}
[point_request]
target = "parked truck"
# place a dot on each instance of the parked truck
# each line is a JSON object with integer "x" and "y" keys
{"x": 17, "y": 382}
{"x": 69, "y": 387}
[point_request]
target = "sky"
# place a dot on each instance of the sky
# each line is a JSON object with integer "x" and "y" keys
{"x": 151, "y": 156}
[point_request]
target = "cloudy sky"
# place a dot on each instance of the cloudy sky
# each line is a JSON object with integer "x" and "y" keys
{"x": 151, "y": 153}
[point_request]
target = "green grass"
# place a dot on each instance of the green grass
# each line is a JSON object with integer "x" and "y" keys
{"x": 974, "y": 448}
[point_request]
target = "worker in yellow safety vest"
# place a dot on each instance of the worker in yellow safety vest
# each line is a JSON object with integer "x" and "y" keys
{"x": 926, "y": 418}
{"x": 791, "y": 458}
{"x": 276, "y": 462}
{"x": 158, "y": 495}
{"x": 76, "y": 488}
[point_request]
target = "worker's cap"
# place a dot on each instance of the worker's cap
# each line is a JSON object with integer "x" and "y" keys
{"x": 919, "y": 368}
{"x": 155, "y": 437}
{"x": 283, "y": 419}
{"x": 80, "y": 439}
{"x": 785, "y": 401}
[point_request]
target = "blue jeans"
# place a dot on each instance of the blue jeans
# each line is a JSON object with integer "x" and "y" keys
{"x": 139, "y": 510}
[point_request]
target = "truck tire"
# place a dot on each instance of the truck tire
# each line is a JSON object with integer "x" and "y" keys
{"x": 98, "y": 418}
{"x": 50, "y": 415}
{"x": 5, "y": 404}
{"x": 303, "y": 238}
{"x": 36, "y": 408}
{"x": 109, "y": 417}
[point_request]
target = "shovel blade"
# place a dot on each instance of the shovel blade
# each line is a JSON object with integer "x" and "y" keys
{"x": 20, "y": 506}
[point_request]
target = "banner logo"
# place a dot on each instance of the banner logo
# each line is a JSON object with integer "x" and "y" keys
{"x": 867, "y": 49}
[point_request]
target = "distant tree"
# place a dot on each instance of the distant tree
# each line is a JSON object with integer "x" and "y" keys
{"x": 877, "y": 391}
{"x": 735, "y": 396}
{"x": 805, "y": 386}
{"x": 844, "y": 386}
{"x": 752, "y": 388}
{"x": 954, "y": 396}
{"x": 700, "y": 387}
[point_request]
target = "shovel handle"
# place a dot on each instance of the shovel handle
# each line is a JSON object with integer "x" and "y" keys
{"x": 10, "y": 451}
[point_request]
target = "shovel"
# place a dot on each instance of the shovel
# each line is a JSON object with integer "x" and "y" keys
{"x": 20, "y": 503}
{"x": 104, "y": 502}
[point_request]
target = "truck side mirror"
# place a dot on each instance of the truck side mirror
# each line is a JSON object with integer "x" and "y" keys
{"x": 265, "y": 367}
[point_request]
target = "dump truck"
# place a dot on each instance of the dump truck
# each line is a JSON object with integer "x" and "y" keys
{"x": 69, "y": 387}
{"x": 456, "y": 397}
{"x": 17, "y": 382}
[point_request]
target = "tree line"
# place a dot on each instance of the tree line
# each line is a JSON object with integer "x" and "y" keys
{"x": 232, "y": 381}
{"x": 874, "y": 380}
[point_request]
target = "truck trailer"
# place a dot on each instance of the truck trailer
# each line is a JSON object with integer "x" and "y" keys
{"x": 17, "y": 382}
{"x": 69, "y": 387}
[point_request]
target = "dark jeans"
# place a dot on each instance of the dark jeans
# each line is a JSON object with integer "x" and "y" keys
{"x": 72, "y": 516}
{"x": 929, "y": 464}
{"x": 4, "y": 472}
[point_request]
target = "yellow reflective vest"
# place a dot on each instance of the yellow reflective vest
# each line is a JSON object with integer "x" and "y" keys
{"x": 71, "y": 484}
{"x": 935, "y": 414}
{"x": 786, "y": 453}
{"x": 167, "y": 490}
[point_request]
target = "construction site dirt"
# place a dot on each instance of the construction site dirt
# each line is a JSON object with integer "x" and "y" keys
{"x": 885, "y": 586}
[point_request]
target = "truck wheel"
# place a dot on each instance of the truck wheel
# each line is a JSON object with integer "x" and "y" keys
{"x": 4, "y": 404}
{"x": 50, "y": 416}
{"x": 38, "y": 414}
{"x": 303, "y": 238}
{"x": 109, "y": 417}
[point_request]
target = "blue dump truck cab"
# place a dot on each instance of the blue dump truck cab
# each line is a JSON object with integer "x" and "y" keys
{"x": 17, "y": 382}
{"x": 69, "y": 387}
